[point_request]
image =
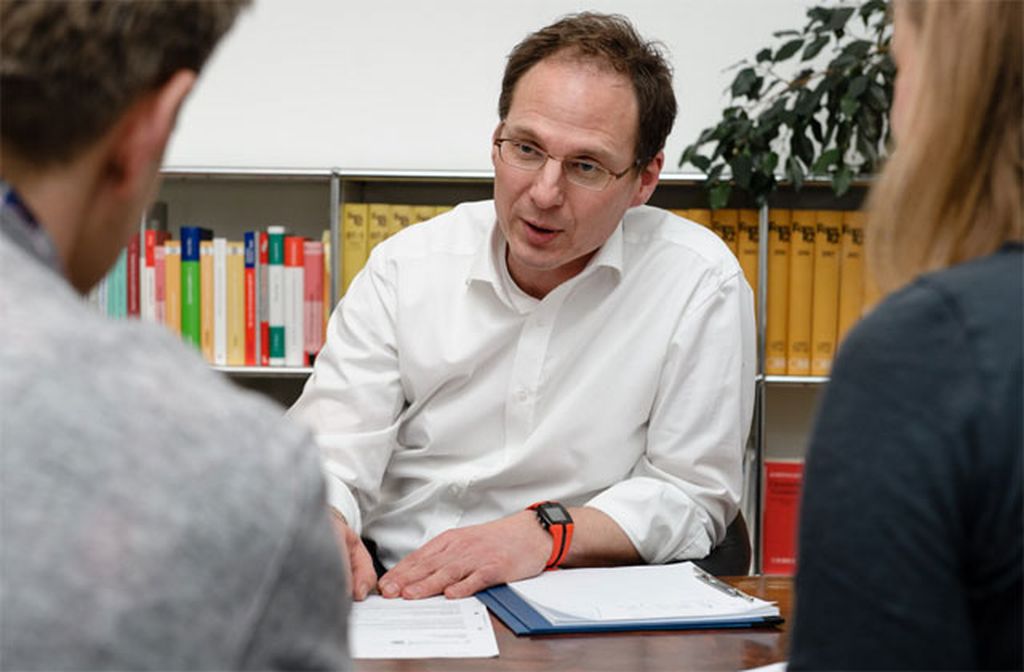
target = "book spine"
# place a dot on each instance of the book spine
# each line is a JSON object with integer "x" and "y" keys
{"x": 783, "y": 482}
{"x": 778, "y": 292}
{"x": 250, "y": 298}
{"x": 354, "y": 234}
{"x": 825, "y": 301}
{"x": 724, "y": 222}
{"x": 133, "y": 308}
{"x": 421, "y": 213}
{"x": 147, "y": 281}
{"x": 801, "y": 277}
{"x": 701, "y": 216}
{"x": 235, "y": 255}
{"x": 851, "y": 273}
{"x": 263, "y": 279}
{"x": 327, "y": 307}
{"x": 294, "y": 292}
{"x": 747, "y": 247}
{"x": 400, "y": 217}
{"x": 172, "y": 285}
{"x": 191, "y": 291}
{"x": 206, "y": 291}
{"x": 378, "y": 218}
{"x": 160, "y": 283}
{"x": 275, "y": 280}
{"x": 220, "y": 301}
{"x": 313, "y": 310}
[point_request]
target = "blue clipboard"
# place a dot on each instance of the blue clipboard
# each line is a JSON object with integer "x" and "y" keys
{"x": 523, "y": 619}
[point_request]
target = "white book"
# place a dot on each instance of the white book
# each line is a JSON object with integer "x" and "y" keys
{"x": 294, "y": 290}
{"x": 220, "y": 301}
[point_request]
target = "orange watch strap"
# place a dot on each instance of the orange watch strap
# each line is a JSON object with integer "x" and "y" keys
{"x": 561, "y": 537}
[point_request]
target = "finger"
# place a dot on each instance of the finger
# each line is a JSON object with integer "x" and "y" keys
{"x": 469, "y": 586}
{"x": 411, "y": 569}
{"x": 364, "y": 577}
{"x": 435, "y": 584}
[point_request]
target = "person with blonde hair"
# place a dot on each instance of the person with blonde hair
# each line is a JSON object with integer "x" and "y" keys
{"x": 910, "y": 547}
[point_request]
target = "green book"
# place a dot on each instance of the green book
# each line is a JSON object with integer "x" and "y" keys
{"x": 191, "y": 289}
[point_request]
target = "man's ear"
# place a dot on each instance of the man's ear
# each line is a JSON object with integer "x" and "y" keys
{"x": 648, "y": 180}
{"x": 138, "y": 141}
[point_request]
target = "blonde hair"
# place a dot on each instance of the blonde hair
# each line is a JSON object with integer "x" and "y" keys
{"x": 952, "y": 190}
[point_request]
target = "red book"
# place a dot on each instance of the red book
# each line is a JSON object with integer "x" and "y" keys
{"x": 251, "y": 238}
{"x": 264, "y": 298}
{"x": 313, "y": 290}
{"x": 783, "y": 480}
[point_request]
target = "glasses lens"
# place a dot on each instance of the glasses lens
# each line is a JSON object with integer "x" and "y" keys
{"x": 586, "y": 174}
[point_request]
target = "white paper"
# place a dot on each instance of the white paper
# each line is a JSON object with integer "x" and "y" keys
{"x": 642, "y": 593}
{"x": 435, "y": 627}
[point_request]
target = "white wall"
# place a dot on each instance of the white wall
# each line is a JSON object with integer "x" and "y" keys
{"x": 404, "y": 84}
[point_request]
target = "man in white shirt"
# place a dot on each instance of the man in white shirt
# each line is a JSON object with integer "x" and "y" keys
{"x": 563, "y": 343}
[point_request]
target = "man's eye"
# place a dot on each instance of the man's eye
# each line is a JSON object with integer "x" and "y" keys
{"x": 526, "y": 150}
{"x": 585, "y": 167}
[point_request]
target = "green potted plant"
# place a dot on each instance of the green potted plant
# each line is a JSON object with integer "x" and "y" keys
{"x": 828, "y": 121}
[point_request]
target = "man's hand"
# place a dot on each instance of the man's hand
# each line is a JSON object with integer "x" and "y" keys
{"x": 463, "y": 561}
{"x": 362, "y": 576}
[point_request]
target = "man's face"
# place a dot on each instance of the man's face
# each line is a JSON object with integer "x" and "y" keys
{"x": 569, "y": 109}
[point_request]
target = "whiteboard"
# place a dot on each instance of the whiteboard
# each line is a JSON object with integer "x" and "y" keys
{"x": 413, "y": 85}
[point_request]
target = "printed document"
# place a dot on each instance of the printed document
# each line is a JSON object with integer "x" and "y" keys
{"x": 647, "y": 593}
{"x": 432, "y": 628}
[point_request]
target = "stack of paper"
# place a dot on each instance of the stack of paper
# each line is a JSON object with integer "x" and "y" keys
{"x": 624, "y": 598}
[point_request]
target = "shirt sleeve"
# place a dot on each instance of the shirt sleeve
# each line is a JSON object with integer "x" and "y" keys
{"x": 354, "y": 396}
{"x": 882, "y": 536}
{"x": 685, "y": 490}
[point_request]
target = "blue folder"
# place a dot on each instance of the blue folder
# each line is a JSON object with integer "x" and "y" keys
{"x": 523, "y": 619}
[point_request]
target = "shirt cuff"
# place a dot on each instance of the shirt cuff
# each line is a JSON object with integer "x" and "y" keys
{"x": 341, "y": 500}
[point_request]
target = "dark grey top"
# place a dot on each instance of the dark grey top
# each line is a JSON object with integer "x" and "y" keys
{"x": 153, "y": 516}
{"x": 912, "y": 517}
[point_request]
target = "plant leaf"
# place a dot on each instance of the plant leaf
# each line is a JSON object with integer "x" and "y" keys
{"x": 764, "y": 55}
{"x": 814, "y": 47}
{"x": 841, "y": 180}
{"x": 744, "y": 82}
{"x": 795, "y": 172}
{"x": 741, "y": 165}
{"x": 787, "y": 50}
{"x": 826, "y": 159}
{"x": 719, "y": 195}
{"x": 840, "y": 16}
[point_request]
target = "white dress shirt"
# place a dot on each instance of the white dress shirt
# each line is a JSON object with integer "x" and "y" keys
{"x": 445, "y": 396}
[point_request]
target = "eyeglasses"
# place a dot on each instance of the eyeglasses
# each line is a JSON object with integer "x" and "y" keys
{"x": 581, "y": 172}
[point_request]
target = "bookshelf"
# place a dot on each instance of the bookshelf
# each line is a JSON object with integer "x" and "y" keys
{"x": 308, "y": 202}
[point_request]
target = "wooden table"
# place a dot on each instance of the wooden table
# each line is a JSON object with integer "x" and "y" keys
{"x": 626, "y": 652}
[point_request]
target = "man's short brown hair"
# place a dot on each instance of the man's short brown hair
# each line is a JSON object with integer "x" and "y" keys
{"x": 69, "y": 70}
{"x": 608, "y": 39}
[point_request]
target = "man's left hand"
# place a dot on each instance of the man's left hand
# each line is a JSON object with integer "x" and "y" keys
{"x": 460, "y": 562}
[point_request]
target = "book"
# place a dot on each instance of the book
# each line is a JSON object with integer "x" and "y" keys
{"x": 220, "y": 301}
{"x": 160, "y": 283}
{"x": 294, "y": 300}
{"x": 132, "y": 280}
{"x": 783, "y": 482}
{"x": 235, "y": 262}
{"x": 400, "y": 217}
{"x": 776, "y": 315}
{"x": 353, "y": 245}
{"x": 825, "y": 295}
{"x": 251, "y": 288}
{"x": 441, "y": 209}
{"x": 801, "y": 277}
{"x": 155, "y": 233}
{"x": 172, "y": 285}
{"x": 191, "y": 289}
{"x": 263, "y": 279}
{"x": 851, "y": 273}
{"x": 607, "y": 599}
{"x": 747, "y": 234}
{"x": 421, "y": 213}
{"x": 206, "y": 300}
{"x": 378, "y": 223}
{"x": 313, "y": 310}
{"x": 700, "y": 215}
{"x": 327, "y": 279}
{"x": 724, "y": 222}
{"x": 276, "y": 300}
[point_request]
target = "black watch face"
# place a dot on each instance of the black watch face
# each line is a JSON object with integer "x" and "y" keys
{"x": 555, "y": 514}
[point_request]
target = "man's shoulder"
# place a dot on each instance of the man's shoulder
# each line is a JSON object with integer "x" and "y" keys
{"x": 654, "y": 233}
{"x": 459, "y": 231}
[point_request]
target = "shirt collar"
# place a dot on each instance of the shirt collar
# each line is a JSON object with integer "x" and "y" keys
{"x": 21, "y": 227}
{"x": 488, "y": 265}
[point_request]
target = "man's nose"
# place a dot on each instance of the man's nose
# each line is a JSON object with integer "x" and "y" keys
{"x": 548, "y": 190}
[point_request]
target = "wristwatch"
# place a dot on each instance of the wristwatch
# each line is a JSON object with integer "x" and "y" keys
{"x": 557, "y": 521}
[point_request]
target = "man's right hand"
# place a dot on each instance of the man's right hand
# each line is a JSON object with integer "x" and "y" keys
{"x": 362, "y": 577}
